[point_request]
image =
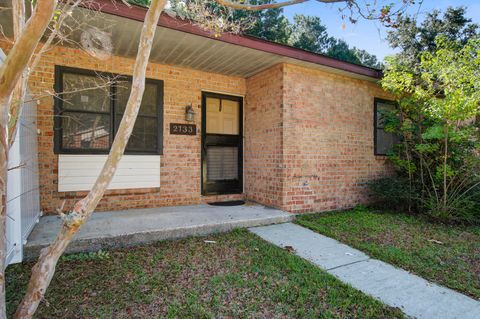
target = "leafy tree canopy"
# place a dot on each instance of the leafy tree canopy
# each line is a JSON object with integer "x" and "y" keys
{"x": 438, "y": 101}
{"x": 308, "y": 33}
{"x": 414, "y": 38}
{"x": 269, "y": 24}
{"x": 305, "y": 32}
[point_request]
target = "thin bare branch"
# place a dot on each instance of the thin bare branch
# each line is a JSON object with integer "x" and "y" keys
{"x": 258, "y": 7}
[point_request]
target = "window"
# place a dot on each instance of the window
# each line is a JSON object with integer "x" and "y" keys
{"x": 88, "y": 113}
{"x": 383, "y": 141}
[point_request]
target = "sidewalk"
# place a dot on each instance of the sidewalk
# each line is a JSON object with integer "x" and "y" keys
{"x": 417, "y": 297}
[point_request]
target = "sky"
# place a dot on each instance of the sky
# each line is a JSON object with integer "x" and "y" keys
{"x": 370, "y": 35}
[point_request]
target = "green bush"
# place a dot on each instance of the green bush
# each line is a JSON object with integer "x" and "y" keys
{"x": 464, "y": 209}
{"x": 396, "y": 193}
{"x": 393, "y": 193}
{"x": 438, "y": 156}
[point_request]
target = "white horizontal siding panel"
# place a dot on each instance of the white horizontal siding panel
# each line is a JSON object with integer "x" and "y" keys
{"x": 69, "y": 166}
{"x": 79, "y": 172}
{"x": 95, "y": 158}
{"x": 116, "y": 179}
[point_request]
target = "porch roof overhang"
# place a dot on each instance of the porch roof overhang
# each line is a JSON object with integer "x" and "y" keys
{"x": 182, "y": 43}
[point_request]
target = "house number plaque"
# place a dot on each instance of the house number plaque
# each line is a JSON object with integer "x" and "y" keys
{"x": 183, "y": 129}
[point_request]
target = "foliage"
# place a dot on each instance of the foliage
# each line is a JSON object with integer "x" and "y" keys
{"x": 367, "y": 59}
{"x": 443, "y": 253}
{"x": 143, "y": 3}
{"x": 268, "y": 24}
{"x": 392, "y": 192}
{"x": 305, "y": 32}
{"x": 413, "y": 39}
{"x": 211, "y": 17}
{"x": 310, "y": 34}
{"x": 339, "y": 49}
{"x": 438, "y": 102}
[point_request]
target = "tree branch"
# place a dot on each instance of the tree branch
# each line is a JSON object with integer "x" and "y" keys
{"x": 44, "y": 269}
{"x": 10, "y": 73}
{"x": 24, "y": 47}
{"x": 257, "y": 7}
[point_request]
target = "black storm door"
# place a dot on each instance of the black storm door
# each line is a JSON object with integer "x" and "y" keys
{"x": 222, "y": 157}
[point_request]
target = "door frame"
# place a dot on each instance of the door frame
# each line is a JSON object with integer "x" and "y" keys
{"x": 235, "y": 187}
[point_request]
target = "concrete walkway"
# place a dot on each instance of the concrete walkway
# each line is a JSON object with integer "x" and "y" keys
{"x": 142, "y": 226}
{"x": 417, "y": 297}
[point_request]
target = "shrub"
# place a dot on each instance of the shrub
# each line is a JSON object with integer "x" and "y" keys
{"x": 438, "y": 156}
{"x": 392, "y": 193}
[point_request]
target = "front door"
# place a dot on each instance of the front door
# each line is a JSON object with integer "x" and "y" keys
{"x": 222, "y": 142}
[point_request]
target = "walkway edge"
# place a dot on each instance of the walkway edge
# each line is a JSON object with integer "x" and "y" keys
{"x": 415, "y": 296}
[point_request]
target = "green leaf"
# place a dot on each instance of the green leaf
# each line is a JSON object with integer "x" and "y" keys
{"x": 434, "y": 133}
{"x": 427, "y": 148}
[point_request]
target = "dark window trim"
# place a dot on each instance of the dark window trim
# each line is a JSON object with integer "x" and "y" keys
{"x": 58, "y": 108}
{"x": 225, "y": 187}
{"x": 375, "y": 118}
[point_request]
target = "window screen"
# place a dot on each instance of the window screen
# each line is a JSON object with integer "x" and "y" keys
{"x": 222, "y": 163}
{"x": 90, "y": 107}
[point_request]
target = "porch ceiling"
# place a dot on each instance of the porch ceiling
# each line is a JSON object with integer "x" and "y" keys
{"x": 191, "y": 51}
{"x": 194, "y": 48}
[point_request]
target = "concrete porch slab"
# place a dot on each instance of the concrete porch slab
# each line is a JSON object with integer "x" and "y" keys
{"x": 142, "y": 226}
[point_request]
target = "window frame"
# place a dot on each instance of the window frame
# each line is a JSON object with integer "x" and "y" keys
{"x": 58, "y": 110}
{"x": 375, "y": 118}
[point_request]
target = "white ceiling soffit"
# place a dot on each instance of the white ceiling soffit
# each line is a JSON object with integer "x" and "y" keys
{"x": 179, "y": 48}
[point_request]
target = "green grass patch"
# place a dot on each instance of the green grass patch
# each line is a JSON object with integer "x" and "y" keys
{"x": 446, "y": 254}
{"x": 239, "y": 276}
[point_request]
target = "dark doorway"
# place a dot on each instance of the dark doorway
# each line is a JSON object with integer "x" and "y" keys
{"x": 222, "y": 144}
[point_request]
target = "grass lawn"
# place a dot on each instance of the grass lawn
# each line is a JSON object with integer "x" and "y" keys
{"x": 446, "y": 254}
{"x": 239, "y": 276}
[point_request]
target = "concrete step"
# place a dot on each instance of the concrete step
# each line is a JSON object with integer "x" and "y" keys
{"x": 105, "y": 230}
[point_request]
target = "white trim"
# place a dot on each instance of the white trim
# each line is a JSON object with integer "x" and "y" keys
{"x": 79, "y": 172}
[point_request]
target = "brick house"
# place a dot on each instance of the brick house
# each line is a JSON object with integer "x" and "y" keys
{"x": 273, "y": 124}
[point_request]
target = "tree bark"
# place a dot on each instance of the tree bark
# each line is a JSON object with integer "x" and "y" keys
{"x": 10, "y": 73}
{"x": 44, "y": 269}
{"x": 18, "y": 9}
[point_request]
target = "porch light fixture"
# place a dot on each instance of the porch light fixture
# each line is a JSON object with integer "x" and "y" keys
{"x": 189, "y": 113}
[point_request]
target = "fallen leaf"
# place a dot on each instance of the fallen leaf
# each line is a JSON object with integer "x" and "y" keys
{"x": 289, "y": 249}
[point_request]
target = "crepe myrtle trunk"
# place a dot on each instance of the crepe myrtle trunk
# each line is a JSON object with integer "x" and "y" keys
{"x": 18, "y": 10}
{"x": 44, "y": 269}
{"x": 10, "y": 74}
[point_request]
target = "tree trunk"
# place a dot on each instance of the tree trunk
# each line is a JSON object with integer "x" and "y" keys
{"x": 44, "y": 269}
{"x": 18, "y": 9}
{"x": 10, "y": 74}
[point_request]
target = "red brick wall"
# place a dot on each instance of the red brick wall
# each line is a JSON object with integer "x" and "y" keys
{"x": 263, "y": 137}
{"x": 328, "y": 140}
{"x": 180, "y": 164}
{"x": 310, "y": 146}
{"x": 308, "y": 136}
